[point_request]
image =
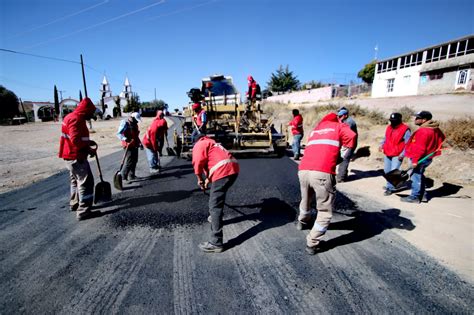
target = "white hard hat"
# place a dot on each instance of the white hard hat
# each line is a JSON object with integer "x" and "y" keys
{"x": 137, "y": 116}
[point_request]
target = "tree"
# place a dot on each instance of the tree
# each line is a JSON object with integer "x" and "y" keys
{"x": 283, "y": 80}
{"x": 312, "y": 85}
{"x": 8, "y": 103}
{"x": 368, "y": 72}
{"x": 56, "y": 102}
{"x": 133, "y": 104}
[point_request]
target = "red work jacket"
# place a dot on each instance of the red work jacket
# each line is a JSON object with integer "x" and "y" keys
{"x": 156, "y": 131}
{"x": 213, "y": 160}
{"x": 324, "y": 143}
{"x": 394, "y": 143}
{"x": 198, "y": 118}
{"x": 297, "y": 125}
{"x": 74, "y": 141}
{"x": 427, "y": 139}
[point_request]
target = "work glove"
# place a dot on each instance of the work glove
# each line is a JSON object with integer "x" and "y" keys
{"x": 92, "y": 148}
{"x": 400, "y": 158}
{"x": 201, "y": 184}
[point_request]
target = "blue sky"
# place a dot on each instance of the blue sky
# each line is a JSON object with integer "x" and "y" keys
{"x": 171, "y": 44}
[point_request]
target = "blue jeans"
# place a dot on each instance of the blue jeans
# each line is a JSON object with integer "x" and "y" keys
{"x": 418, "y": 180}
{"x": 296, "y": 145}
{"x": 152, "y": 157}
{"x": 390, "y": 164}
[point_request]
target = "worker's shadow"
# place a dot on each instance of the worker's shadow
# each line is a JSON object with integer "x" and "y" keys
{"x": 446, "y": 190}
{"x": 273, "y": 213}
{"x": 366, "y": 225}
{"x": 358, "y": 174}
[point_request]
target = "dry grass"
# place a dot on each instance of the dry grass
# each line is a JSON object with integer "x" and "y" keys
{"x": 459, "y": 132}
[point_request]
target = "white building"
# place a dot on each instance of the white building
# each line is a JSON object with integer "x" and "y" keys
{"x": 443, "y": 68}
{"x": 109, "y": 102}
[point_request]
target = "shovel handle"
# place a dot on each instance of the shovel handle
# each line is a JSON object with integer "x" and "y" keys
{"x": 123, "y": 159}
{"x": 97, "y": 160}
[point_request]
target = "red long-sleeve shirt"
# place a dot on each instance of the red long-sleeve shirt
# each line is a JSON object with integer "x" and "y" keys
{"x": 213, "y": 160}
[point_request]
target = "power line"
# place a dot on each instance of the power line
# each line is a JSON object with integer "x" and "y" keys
{"x": 98, "y": 24}
{"x": 60, "y": 19}
{"x": 38, "y": 56}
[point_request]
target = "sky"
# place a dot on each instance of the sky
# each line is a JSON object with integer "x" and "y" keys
{"x": 168, "y": 46}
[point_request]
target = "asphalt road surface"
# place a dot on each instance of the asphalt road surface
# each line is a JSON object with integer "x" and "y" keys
{"x": 140, "y": 255}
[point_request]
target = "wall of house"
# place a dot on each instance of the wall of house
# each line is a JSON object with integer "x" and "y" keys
{"x": 405, "y": 83}
{"x": 313, "y": 95}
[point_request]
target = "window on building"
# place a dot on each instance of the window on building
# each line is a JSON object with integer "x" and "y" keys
{"x": 444, "y": 52}
{"x": 461, "y": 78}
{"x": 390, "y": 83}
{"x": 462, "y": 48}
{"x": 429, "y": 55}
{"x": 470, "y": 46}
{"x": 435, "y": 75}
{"x": 419, "y": 58}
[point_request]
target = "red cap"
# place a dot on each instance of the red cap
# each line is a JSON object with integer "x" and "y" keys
{"x": 250, "y": 78}
{"x": 196, "y": 106}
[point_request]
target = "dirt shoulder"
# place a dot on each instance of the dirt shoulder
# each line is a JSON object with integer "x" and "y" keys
{"x": 29, "y": 151}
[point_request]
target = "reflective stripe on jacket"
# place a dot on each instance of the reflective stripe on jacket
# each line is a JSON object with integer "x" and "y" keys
{"x": 213, "y": 160}
{"x": 324, "y": 143}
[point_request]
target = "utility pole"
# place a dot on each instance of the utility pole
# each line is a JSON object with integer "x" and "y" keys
{"x": 61, "y": 94}
{"x": 155, "y": 94}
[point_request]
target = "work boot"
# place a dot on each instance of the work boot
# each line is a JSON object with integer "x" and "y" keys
{"x": 425, "y": 197}
{"x": 84, "y": 215}
{"x": 211, "y": 248}
{"x": 312, "y": 250}
{"x": 300, "y": 226}
{"x": 387, "y": 192}
{"x": 132, "y": 177}
{"x": 296, "y": 158}
{"x": 410, "y": 199}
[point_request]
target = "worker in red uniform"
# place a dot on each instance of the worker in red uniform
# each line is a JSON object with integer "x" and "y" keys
{"x": 297, "y": 131}
{"x": 252, "y": 90}
{"x": 425, "y": 140}
{"x": 199, "y": 121}
{"x": 317, "y": 175}
{"x": 129, "y": 133}
{"x": 154, "y": 140}
{"x": 393, "y": 146}
{"x": 214, "y": 165}
{"x": 74, "y": 147}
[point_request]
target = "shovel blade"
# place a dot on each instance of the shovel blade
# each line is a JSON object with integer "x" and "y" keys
{"x": 103, "y": 192}
{"x": 397, "y": 177}
{"x": 118, "y": 181}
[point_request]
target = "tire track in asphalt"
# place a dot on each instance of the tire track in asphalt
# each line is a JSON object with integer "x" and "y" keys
{"x": 277, "y": 270}
{"x": 115, "y": 275}
{"x": 184, "y": 295}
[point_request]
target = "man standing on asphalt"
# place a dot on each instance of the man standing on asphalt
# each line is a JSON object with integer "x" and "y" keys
{"x": 393, "y": 146}
{"x": 297, "y": 132}
{"x": 342, "y": 170}
{"x": 425, "y": 140}
{"x": 199, "y": 121}
{"x": 128, "y": 133}
{"x": 214, "y": 164}
{"x": 74, "y": 147}
{"x": 316, "y": 174}
{"x": 154, "y": 140}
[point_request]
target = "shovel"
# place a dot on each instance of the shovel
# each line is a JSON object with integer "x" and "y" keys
{"x": 103, "y": 191}
{"x": 397, "y": 177}
{"x": 169, "y": 150}
{"x": 118, "y": 175}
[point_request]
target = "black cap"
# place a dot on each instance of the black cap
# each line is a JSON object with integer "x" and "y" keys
{"x": 424, "y": 115}
{"x": 395, "y": 117}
